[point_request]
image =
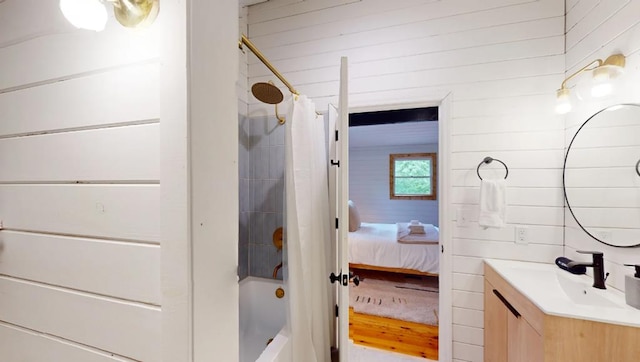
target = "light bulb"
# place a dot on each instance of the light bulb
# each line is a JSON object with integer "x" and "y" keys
{"x": 601, "y": 90}
{"x": 601, "y": 82}
{"x": 85, "y": 14}
{"x": 563, "y": 103}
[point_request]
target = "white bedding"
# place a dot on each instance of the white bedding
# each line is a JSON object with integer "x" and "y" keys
{"x": 376, "y": 244}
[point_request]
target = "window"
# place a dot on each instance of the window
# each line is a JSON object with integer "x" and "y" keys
{"x": 412, "y": 176}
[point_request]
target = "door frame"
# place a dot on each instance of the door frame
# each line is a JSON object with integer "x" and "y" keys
{"x": 444, "y": 104}
{"x": 199, "y": 182}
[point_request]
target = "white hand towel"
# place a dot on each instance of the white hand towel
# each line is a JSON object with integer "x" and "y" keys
{"x": 416, "y": 229}
{"x": 493, "y": 203}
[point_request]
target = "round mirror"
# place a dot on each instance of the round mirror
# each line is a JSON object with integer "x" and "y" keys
{"x": 601, "y": 179}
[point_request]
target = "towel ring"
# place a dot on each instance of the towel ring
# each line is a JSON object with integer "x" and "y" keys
{"x": 488, "y": 160}
{"x": 638, "y": 168}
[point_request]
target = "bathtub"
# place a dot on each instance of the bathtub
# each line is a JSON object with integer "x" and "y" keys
{"x": 262, "y": 317}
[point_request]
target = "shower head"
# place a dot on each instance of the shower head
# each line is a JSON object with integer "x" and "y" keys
{"x": 267, "y": 93}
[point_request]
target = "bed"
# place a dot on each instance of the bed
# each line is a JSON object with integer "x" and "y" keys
{"x": 375, "y": 246}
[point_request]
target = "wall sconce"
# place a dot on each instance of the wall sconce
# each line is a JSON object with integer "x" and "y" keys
{"x": 603, "y": 73}
{"x": 92, "y": 14}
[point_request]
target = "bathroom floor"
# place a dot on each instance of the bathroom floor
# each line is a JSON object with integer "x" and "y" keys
{"x": 365, "y": 354}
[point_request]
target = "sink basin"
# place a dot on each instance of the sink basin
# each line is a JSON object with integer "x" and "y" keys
{"x": 581, "y": 292}
{"x": 560, "y": 293}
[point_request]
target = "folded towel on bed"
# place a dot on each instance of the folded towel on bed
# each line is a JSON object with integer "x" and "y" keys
{"x": 416, "y": 229}
{"x": 431, "y": 234}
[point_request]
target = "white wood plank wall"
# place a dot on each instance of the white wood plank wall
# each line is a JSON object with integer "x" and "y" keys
{"x": 596, "y": 29}
{"x": 501, "y": 60}
{"x": 79, "y": 189}
{"x": 369, "y": 187}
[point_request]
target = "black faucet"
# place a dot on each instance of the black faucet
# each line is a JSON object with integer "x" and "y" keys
{"x": 597, "y": 265}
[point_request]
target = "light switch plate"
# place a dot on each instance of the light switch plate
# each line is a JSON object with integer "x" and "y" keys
{"x": 605, "y": 235}
{"x": 462, "y": 217}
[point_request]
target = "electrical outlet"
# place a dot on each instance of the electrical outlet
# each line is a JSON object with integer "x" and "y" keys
{"x": 522, "y": 235}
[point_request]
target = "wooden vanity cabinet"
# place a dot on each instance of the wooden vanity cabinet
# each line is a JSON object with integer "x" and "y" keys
{"x": 534, "y": 336}
{"x": 524, "y": 343}
{"x": 495, "y": 326}
{"x": 508, "y": 335}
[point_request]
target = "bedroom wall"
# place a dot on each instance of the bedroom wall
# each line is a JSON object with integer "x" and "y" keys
{"x": 80, "y": 197}
{"x": 501, "y": 61}
{"x": 369, "y": 187}
{"x": 597, "y": 29}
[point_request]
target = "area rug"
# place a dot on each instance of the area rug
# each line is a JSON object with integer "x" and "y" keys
{"x": 402, "y": 301}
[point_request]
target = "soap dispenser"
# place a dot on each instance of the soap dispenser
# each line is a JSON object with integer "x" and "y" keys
{"x": 632, "y": 287}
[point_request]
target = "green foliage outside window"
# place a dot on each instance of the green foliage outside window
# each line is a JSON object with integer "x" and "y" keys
{"x": 412, "y": 176}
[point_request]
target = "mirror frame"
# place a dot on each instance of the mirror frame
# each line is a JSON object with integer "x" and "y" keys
{"x": 564, "y": 169}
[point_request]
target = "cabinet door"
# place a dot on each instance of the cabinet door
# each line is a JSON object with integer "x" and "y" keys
{"x": 525, "y": 344}
{"x": 495, "y": 326}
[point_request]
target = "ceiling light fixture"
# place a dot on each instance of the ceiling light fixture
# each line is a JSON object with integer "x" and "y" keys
{"x": 92, "y": 14}
{"x": 603, "y": 73}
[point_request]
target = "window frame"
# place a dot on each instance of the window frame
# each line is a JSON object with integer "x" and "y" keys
{"x": 408, "y": 156}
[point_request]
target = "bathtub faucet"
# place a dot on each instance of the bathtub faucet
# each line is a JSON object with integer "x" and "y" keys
{"x": 275, "y": 270}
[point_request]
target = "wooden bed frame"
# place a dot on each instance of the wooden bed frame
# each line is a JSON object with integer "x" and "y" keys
{"x": 390, "y": 270}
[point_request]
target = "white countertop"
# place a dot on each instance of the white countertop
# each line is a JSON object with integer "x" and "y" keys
{"x": 560, "y": 293}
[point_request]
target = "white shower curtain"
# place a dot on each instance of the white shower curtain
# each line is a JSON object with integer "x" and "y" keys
{"x": 308, "y": 239}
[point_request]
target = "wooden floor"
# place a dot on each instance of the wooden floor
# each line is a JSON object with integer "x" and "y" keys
{"x": 409, "y": 338}
{"x": 405, "y": 337}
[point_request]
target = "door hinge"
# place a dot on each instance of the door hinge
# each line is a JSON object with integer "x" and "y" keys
{"x": 337, "y": 223}
{"x": 337, "y": 309}
{"x": 442, "y": 249}
{"x": 337, "y": 135}
{"x": 335, "y": 163}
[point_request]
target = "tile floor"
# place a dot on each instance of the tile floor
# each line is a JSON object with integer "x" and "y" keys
{"x": 365, "y": 354}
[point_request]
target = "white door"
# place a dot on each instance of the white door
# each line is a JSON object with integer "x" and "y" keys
{"x": 334, "y": 205}
{"x": 339, "y": 193}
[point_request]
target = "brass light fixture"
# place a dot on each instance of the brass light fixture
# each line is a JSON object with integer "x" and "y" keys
{"x": 603, "y": 71}
{"x": 92, "y": 14}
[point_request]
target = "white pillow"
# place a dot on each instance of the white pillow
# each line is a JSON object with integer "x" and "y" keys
{"x": 354, "y": 217}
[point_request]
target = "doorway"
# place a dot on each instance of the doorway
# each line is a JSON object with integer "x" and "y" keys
{"x": 393, "y": 178}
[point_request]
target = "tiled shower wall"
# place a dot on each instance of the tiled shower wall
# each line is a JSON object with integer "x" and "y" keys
{"x": 261, "y": 194}
{"x": 243, "y": 153}
{"x": 261, "y": 174}
{"x": 243, "y": 169}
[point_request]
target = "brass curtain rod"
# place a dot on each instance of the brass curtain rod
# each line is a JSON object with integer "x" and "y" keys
{"x": 244, "y": 40}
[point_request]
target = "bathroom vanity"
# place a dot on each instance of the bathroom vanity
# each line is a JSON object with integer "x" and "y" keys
{"x": 538, "y": 312}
